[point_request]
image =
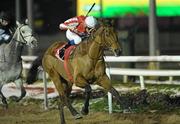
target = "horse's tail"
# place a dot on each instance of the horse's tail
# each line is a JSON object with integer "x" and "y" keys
{"x": 33, "y": 71}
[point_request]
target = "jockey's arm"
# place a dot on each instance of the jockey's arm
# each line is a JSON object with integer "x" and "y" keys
{"x": 4, "y": 37}
{"x": 69, "y": 24}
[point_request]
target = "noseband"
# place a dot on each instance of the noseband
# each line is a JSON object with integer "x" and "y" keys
{"x": 23, "y": 37}
{"x": 103, "y": 42}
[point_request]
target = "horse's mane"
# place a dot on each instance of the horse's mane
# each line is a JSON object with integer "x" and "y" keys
{"x": 83, "y": 47}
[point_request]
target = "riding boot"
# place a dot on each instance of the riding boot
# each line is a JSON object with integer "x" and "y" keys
{"x": 62, "y": 51}
{"x": 67, "y": 45}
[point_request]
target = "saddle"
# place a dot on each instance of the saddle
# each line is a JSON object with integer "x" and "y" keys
{"x": 64, "y": 50}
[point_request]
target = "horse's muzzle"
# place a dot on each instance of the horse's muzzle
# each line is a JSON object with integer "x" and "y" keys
{"x": 117, "y": 52}
{"x": 33, "y": 43}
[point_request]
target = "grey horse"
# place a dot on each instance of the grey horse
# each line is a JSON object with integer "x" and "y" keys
{"x": 11, "y": 62}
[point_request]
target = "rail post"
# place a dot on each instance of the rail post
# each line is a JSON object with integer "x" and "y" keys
{"x": 45, "y": 91}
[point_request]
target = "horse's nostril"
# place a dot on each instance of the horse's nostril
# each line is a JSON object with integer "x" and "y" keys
{"x": 33, "y": 43}
{"x": 118, "y": 51}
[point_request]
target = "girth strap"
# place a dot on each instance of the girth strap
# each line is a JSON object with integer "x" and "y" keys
{"x": 66, "y": 58}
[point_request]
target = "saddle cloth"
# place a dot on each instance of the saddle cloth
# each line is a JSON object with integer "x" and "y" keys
{"x": 65, "y": 58}
{"x": 61, "y": 52}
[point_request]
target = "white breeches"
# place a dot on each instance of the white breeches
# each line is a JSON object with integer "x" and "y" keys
{"x": 73, "y": 36}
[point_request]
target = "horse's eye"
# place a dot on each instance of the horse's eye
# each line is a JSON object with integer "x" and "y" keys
{"x": 23, "y": 32}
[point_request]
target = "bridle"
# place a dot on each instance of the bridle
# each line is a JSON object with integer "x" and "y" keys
{"x": 102, "y": 42}
{"x": 23, "y": 37}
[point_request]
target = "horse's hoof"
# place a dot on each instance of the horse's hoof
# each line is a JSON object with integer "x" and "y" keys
{"x": 77, "y": 116}
{"x": 63, "y": 122}
{"x": 14, "y": 98}
{"x": 126, "y": 111}
{"x": 5, "y": 106}
{"x": 83, "y": 112}
{"x": 129, "y": 110}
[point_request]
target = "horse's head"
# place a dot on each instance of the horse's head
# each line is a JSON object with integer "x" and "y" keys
{"x": 108, "y": 39}
{"x": 25, "y": 35}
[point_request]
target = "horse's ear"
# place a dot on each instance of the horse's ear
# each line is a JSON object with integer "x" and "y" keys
{"x": 18, "y": 23}
{"x": 109, "y": 22}
{"x": 27, "y": 21}
{"x": 112, "y": 22}
{"x": 101, "y": 21}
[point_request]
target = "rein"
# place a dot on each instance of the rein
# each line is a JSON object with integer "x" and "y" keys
{"x": 93, "y": 58}
{"x": 23, "y": 37}
{"x": 102, "y": 43}
{"x": 95, "y": 41}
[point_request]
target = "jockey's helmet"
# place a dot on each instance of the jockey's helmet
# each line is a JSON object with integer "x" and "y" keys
{"x": 5, "y": 16}
{"x": 5, "y": 19}
{"x": 90, "y": 21}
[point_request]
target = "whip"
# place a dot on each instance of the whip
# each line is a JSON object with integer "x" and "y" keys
{"x": 90, "y": 9}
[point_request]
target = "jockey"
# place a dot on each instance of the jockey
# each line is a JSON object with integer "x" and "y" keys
{"x": 77, "y": 28}
{"x": 6, "y": 27}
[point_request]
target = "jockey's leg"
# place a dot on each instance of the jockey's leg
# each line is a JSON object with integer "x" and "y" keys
{"x": 73, "y": 38}
{"x": 71, "y": 42}
{"x": 62, "y": 51}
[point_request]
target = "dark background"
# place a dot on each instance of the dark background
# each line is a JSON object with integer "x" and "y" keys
{"x": 133, "y": 31}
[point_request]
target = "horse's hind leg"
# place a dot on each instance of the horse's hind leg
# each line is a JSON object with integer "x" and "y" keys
{"x": 85, "y": 108}
{"x": 5, "y": 105}
{"x": 63, "y": 96}
{"x": 19, "y": 84}
{"x": 61, "y": 110}
{"x": 81, "y": 82}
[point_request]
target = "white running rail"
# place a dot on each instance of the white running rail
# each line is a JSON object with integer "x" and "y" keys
{"x": 140, "y": 72}
{"x": 27, "y": 60}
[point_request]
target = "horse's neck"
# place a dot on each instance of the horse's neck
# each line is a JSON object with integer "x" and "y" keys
{"x": 13, "y": 50}
{"x": 89, "y": 47}
{"x": 95, "y": 51}
{"x": 82, "y": 48}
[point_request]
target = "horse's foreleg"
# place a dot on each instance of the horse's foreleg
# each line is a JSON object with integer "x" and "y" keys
{"x": 23, "y": 93}
{"x": 19, "y": 84}
{"x": 115, "y": 93}
{"x": 81, "y": 82}
{"x": 122, "y": 101}
{"x": 3, "y": 98}
{"x": 106, "y": 84}
{"x": 85, "y": 109}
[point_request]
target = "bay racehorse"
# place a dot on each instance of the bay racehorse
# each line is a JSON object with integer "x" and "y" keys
{"x": 86, "y": 66}
{"x": 10, "y": 59}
